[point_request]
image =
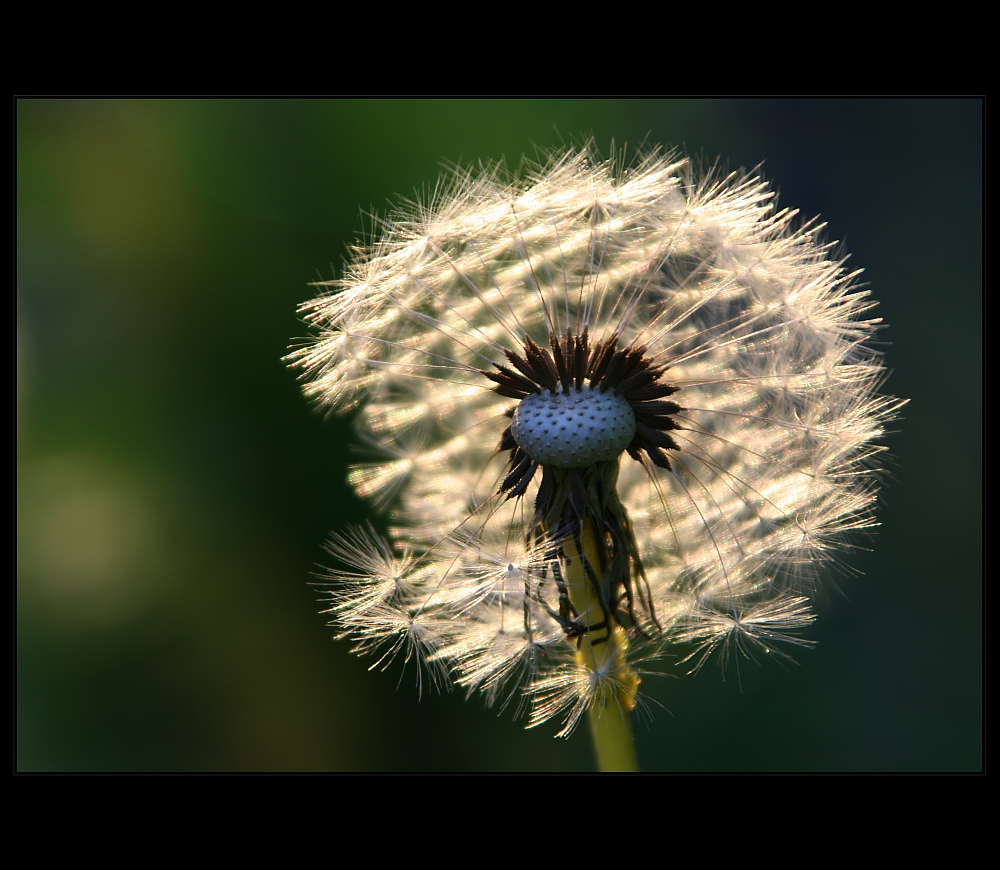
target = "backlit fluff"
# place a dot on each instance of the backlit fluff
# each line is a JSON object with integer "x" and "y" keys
{"x": 737, "y": 343}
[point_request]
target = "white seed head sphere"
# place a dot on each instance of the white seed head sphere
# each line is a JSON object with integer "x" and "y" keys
{"x": 575, "y": 430}
{"x": 504, "y": 341}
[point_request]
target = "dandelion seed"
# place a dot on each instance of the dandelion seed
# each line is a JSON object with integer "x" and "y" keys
{"x": 617, "y": 409}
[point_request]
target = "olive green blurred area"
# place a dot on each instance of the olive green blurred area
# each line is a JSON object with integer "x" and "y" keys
{"x": 174, "y": 487}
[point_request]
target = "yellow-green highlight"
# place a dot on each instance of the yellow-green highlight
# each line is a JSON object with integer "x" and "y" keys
{"x": 603, "y": 653}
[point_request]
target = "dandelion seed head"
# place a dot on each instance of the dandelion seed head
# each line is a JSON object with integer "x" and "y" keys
{"x": 608, "y": 410}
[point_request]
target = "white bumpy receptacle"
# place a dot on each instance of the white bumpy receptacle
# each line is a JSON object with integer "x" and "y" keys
{"x": 573, "y": 430}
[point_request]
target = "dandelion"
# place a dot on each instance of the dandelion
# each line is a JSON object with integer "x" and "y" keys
{"x": 613, "y": 410}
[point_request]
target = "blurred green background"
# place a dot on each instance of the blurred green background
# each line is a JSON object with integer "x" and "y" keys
{"x": 174, "y": 488}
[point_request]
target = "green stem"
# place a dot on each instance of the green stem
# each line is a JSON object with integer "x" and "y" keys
{"x": 613, "y": 742}
{"x": 603, "y": 652}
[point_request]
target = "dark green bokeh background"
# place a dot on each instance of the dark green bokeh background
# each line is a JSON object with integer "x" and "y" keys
{"x": 174, "y": 487}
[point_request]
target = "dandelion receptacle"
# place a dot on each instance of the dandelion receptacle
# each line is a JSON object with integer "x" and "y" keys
{"x": 616, "y": 410}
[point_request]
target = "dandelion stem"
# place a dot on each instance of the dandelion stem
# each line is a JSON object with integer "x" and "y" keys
{"x": 613, "y": 741}
{"x": 601, "y": 651}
